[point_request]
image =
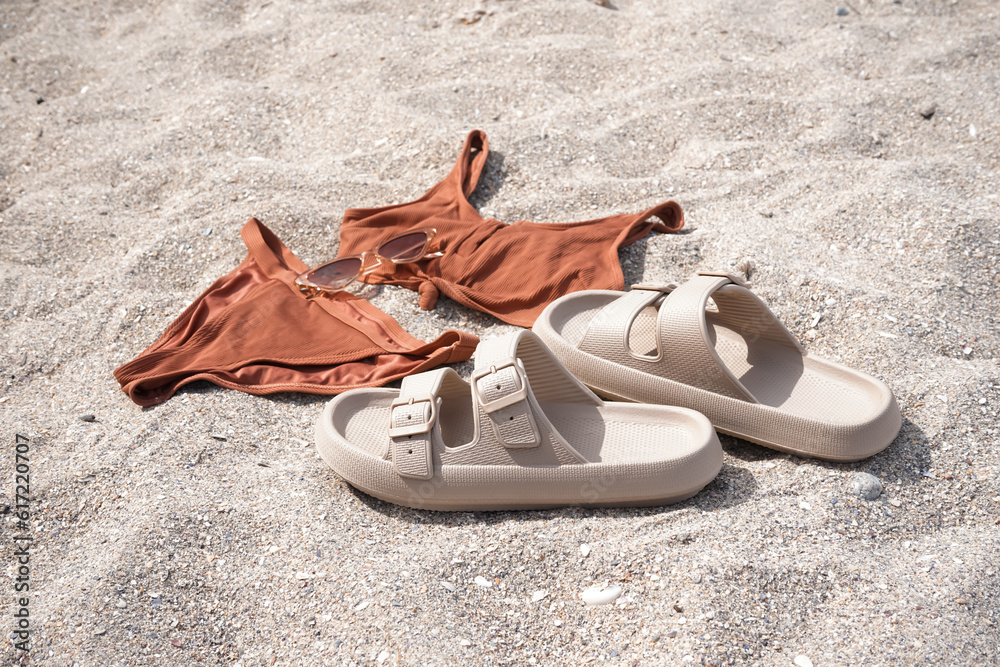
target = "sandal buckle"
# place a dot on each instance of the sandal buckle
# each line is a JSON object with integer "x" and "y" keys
{"x": 504, "y": 401}
{"x": 412, "y": 429}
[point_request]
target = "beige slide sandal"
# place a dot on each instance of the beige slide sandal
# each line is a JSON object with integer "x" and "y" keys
{"x": 713, "y": 346}
{"x": 524, "y": 434}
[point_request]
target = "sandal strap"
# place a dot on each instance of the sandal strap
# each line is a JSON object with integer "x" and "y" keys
{"x": 412, "y": 418}
{"x": 503, "y": 397}
{"x": 500, "y": 386}
{"x": 685, "y": 347}
{"x": 503, "y": 390}
{"x": 682, "y": 333}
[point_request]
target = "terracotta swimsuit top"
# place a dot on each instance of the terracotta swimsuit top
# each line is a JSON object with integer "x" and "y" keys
{"x": 510, "y": 271}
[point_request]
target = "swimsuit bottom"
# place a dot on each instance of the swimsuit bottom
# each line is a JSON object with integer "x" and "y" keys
{"x": 253, "y": 330}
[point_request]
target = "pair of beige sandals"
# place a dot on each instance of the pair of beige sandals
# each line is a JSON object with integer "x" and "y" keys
{"x": 530, "y": 429}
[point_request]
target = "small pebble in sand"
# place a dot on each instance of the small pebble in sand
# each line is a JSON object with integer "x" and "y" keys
{"x": 483, "y": 581}
{"x": 928, "y": 111}
{"x": 803, "y": 661}
{"x": 466, "y": 642}
{"x": 538, "y": 595}
{"x": 100, "y": 630}
{"x": 472, "y": 16}
{"x": 450, "y": 586}
{"x": 866, "y": 486}
{"x": 584, "y": 550}
{"x": 87, "y": 418}
{"x": 596, "y": 596}
{"x": 842, "y": 11}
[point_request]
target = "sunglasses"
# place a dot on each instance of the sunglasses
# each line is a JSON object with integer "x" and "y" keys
{"x": 338, "y": 274}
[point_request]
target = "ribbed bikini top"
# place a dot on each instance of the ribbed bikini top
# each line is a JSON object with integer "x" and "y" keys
{"x": 511, "y": 271}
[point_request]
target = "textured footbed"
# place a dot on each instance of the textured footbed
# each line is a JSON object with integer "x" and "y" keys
{"x": 776, "y": 375}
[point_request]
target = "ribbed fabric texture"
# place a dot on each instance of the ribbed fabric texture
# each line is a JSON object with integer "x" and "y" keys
{"x": 510, "y": 271}
{"x": 254, "y": 331}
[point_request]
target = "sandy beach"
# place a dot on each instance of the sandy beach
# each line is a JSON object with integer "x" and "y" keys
{"x": 847, "y": 156}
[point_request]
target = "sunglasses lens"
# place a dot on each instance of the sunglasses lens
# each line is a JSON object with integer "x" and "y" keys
{"x": 408, "y": 248}
{"x": 335, "y": 274}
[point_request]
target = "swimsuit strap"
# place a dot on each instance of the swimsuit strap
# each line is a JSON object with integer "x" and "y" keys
{"x": 269, "y": 252}
{"x": 465, "y": 173}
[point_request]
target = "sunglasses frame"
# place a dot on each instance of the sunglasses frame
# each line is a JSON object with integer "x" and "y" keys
{"x": 312, "y": 290}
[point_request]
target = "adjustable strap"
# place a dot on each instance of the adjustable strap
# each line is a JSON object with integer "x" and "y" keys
{"x": 470, "y": 163}
{"x": 607, "y": 335}
{"x": 501, "y": 389}
{"x": 743, "y": 310}
{"x": 685, "y": 351}
{"x": 666, "y": 218}
{"x": 682, "y": 332}
{"x": 411, "y": 421}
{"x": 269, "y": 252}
